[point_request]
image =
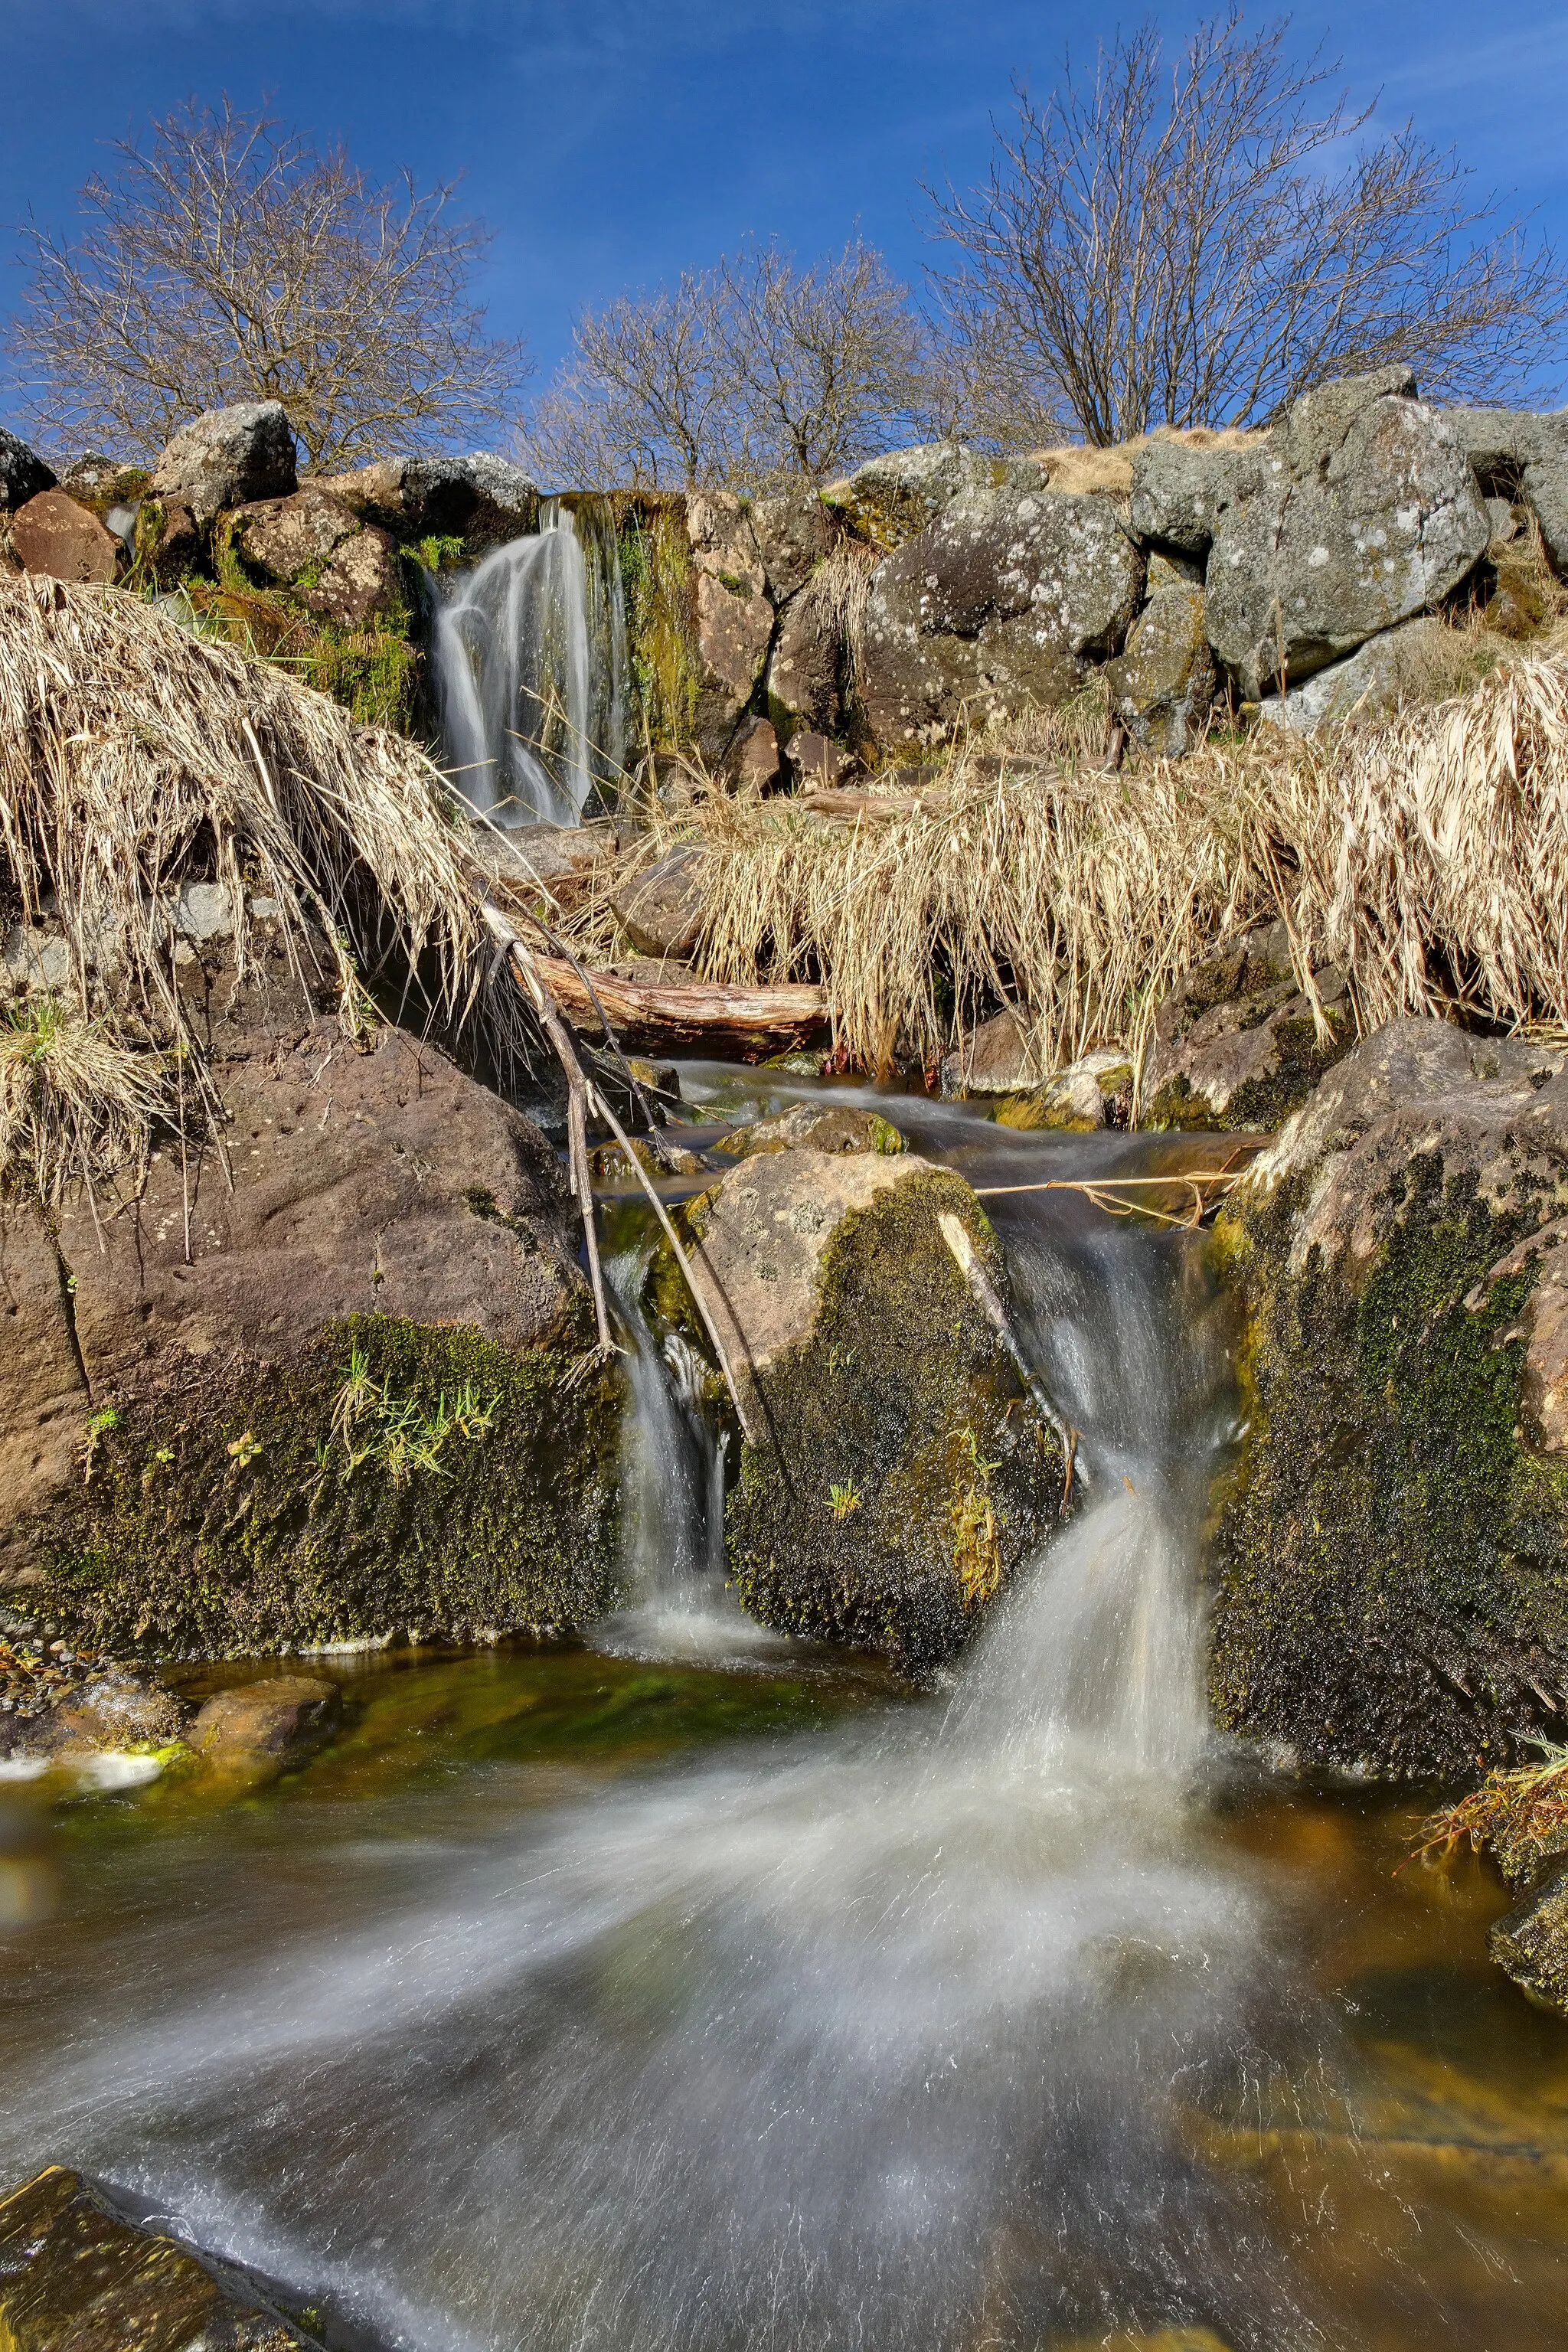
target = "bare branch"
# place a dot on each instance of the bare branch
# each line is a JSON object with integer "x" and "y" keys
{"x": 230, "y": 260}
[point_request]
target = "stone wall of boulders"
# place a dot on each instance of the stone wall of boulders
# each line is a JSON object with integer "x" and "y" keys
{"x": 326, "y": 574}
{"x": 1295, "y": 571}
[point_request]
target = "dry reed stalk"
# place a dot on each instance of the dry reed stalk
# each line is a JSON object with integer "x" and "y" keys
{"x": 1427, "y": 859}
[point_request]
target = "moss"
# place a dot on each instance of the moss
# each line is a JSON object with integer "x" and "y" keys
{"x": 231, "y": 1517}
{"x": 1299, "y": 1062}
{"x": 902, "y": 1397}
{"x": 656, "y": 580}
{"x": 1390, "y": 1557}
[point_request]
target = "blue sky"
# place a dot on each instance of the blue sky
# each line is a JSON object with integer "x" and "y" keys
{"x": 607, "y": 142}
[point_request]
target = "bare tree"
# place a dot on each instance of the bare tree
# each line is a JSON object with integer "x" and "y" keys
{"x": 1183, "y": 247}
{"x": 232, "y": 260}
{"x": 752, "y": 374}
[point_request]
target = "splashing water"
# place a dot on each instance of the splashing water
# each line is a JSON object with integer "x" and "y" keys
{"x": 529, "y": 651}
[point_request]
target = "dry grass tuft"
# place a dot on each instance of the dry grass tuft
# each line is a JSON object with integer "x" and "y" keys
{"x": 1521, "y": 1815}
{"x": 1427, "y": 859}
{"x": 134, "y": 757}
{"x": 74, "y": 1101}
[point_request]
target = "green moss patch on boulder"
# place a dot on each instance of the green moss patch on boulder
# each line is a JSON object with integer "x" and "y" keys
{"x": 898, "y": 1474}
{"x": 229, "y": 1517}
{"x": 1236, "y": 1045}
{"x": 1391, "y": 1552}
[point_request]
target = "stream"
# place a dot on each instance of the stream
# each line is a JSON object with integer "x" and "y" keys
{"x": 690, "y": 1987}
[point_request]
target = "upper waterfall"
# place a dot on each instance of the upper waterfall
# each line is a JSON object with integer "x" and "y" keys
{"x": 529, "y": 650}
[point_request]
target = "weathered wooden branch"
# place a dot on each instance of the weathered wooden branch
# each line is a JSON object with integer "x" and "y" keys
{"x": 745, "y": 1020}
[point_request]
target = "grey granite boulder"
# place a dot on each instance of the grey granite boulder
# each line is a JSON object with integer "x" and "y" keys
{"x": 890, "y": 499}
{"x": 1516, "y": 451}
{"x": 994, "y": 607}
{"x": 794, "y": 534}
{"x": 1360, "y": 511}
{"x": 23, "y": 474}
{"x": 1162, "y": 684}
{"x": 228, "y": 458}
{"x": 1176, "y": 488}
{"x": 1371, "y": 683}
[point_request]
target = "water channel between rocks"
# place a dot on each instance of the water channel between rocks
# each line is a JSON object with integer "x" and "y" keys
{"x": 693, "y": 1988}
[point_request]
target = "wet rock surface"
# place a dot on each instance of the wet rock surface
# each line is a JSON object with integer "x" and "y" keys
{"x": 1392, "y": 1552}
{"x": 270, "y": 1724}
{"x": 895, "y": 1475}
{"x": 76, "y": 2275}
{"x": 1095, "y": 1091}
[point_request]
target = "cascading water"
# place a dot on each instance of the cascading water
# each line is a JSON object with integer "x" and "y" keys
{"x": 911, "y": 2035}
{"x": 529, "y": 652}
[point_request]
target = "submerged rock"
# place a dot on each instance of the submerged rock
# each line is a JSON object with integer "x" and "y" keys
{"x": 77, "y": 2276}
{"x": 814, "y": 1126}
{"x": 1391, "y": 1554}
{"x": 1093, "y": 1092}
{"x": 896, "y": 1474}
{"x": 1531, "y": 1942}
{"x": 268, "y": 1725}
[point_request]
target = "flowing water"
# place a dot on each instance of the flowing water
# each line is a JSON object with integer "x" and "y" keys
{"x": 576, "y": 2001}
{"x": 528, "y": 654}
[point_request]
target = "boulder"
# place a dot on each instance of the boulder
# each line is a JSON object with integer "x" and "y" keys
{"x": 77, "y": 2276}
{"x": 1236, "y": 1043}
{"x": 274, "y": 1722}
{"x": 1371, "y": 684}
{"x": 1359, "y": 513}
{"x": 1517, "y": 453}
{"x": 890, "y": 499}
{"x": 53, "y": 535}
{"x": 996, "y": 1058}
{"x": 818, "y": 763}
{"x": 794, "y": 534}
{"x": 660, "y": 909}
{"x": 803, "y": 670}
{"x": 991, "y": 609}
{"x": 23, "y": 474}
{"x": 896, "y": 1473}
{"x": 1531, "y": 1942}
{"x": 267, "y": 1341}
{"x": 336, "y": 563}
{"x": 731, "y": 619}
{"x": 481, "y": 499}
{"x": 813, "y": 1127}
{"x": 1391, "y": 1554}
{"x": 1162, "y": 684}
{"x": 755, "y": 756}
{"x": 1177, "y": 486}
{"x": 228, "y": 458}
{"x": 1095, "y": 1091}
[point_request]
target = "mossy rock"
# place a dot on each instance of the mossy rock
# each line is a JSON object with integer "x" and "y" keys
{"x": 1391, "y": 1556}
{"x": 232, "y": 1515}
{"x": 898, "y": 1474}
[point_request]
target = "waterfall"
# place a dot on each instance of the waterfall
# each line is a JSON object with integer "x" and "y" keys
{"x": 528, "y": 653}
{"x": 886, "y": 2035}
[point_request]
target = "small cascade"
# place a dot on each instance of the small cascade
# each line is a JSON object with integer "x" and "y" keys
{"x": 529, "y": 651}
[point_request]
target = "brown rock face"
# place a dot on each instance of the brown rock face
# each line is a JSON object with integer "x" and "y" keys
{"x": 276, "y": 1722}
{"x": 661, "y": 910}
{"x": 755, "y": 756}
{"x": 43, "y": 1401}
{"x": 53, "y": 535}
{"x": 337, "y": 565}
{"x": 803, "y": 672}
{"x": 994, "y": 1059}
{"x": 793, "y": 535}
{"x": 76, "y": 2276}
{"x": 1235, "y": 1045}
{"x": 732, "y": 617}
{"x": 117, "y": 1711}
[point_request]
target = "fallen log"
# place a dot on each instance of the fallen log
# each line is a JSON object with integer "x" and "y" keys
{"x": 749, "y": 1022}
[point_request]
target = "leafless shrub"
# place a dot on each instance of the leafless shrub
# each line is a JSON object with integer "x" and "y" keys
{"x": 756, "y": 373}
{"x": 230, "y": 260}
{"x": 1183, "y": 246}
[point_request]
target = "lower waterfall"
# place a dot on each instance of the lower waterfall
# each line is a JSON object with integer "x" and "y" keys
{"x": 529, "y": 656}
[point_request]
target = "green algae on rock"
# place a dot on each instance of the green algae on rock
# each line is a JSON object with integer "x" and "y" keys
{"x": 896, "y": 1473}
{"x": 1391, "y": 1551}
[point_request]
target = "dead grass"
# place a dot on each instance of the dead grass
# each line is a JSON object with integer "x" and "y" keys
{"x": 1521, "y": 1815}
{"x": 133, "y": 757}
{"x": 74, "y": 1100}
{"x": 1427, "y": 859}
